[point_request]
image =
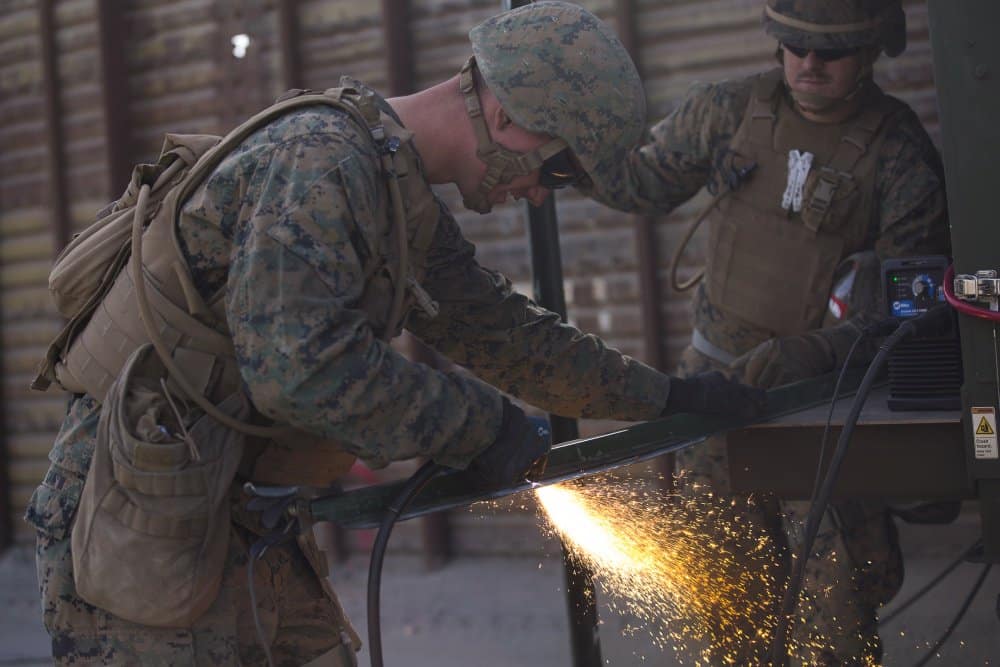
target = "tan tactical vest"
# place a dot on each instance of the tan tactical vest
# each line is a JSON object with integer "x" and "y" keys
{"x": 104, "y": 331}
{"x": 772, "y": 268}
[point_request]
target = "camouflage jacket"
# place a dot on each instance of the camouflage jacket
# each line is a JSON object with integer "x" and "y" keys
{"x": 306, "y": 348}
{"x": 687, "y": 151}
{"x": 690, "y": 149}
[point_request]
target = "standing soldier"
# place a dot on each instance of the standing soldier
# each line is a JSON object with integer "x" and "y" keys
{"x": 812, "y": 167}
{"x": 273, "y": 273}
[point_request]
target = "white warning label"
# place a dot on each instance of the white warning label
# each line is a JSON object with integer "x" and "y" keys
{"x": 984, "y": 433}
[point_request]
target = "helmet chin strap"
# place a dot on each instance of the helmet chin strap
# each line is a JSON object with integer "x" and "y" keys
{"x": 502, "y": 165}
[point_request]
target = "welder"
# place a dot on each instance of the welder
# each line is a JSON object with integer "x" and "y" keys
{"x": 239, "y": 332}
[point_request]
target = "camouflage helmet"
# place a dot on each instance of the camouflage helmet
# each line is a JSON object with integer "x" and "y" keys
{"x": 558, "y": 70}
{"x": 837, "y": 24}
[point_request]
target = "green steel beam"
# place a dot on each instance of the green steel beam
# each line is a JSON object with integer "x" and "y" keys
{"x": 364, "y": 507}
{"x": 966, "y": 73}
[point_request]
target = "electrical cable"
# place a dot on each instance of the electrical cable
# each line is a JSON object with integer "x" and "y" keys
{"x": 779, "y": 651}
{"x": 931, "y": 584}
{"x": 958, "y": 616}
{"x": 413, "y": 485}
{"x": 829, "y": 415}
{"x": 261, "y": 637}
{"x": 948, "y": 287}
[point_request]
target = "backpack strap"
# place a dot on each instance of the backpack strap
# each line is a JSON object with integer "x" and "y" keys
{"x": 360, "y": 105}
{"x": 761, "y": 114}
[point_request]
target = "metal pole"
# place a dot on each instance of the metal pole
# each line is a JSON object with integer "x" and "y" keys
{"x": 547, "y": 279}
{"x": 111, "y": 36}
{"x": 58, "y": 206}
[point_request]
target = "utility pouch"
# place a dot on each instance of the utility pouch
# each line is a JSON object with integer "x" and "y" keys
{"x": 152, "y": 529}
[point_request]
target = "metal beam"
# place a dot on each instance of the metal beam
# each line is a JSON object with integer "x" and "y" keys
{"x": 650, "y": 296}
{"x": 289, "y": 41}
{"x": 59, "y": 220}
{"x": 398, "y": 46}
{"x": 365, "y": 507}
{"x": 435, "y": 528}
{"x": 242, "y": 79}
{"x": 967, "y": 67}
{"x": 111, "y": 35}
{"x": 58, "y": 205}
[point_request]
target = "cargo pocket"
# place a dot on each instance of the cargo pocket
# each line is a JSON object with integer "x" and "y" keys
{"x": 151, "y": 538}
{"x": 53, "y": 504}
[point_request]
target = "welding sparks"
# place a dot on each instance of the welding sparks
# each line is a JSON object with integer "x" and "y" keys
{"x": 701, "y": 579}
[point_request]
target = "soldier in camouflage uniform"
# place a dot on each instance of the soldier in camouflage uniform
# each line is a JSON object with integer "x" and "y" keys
{"x": 809, "y": 164}
{"x": 291, "y": 234}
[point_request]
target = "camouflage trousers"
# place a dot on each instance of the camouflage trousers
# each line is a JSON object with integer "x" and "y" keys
{"x": 301, "y": 623}
{"x": 856, "y": 565}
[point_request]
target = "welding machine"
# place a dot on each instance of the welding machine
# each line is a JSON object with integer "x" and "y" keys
{"x": 925, "y": 371}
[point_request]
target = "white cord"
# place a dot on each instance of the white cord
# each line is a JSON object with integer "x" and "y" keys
{"x": 798, "y": 169}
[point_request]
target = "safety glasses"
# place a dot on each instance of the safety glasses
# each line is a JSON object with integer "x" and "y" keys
{"x": 826, "y": 55}
{"x": 559, "y": 171}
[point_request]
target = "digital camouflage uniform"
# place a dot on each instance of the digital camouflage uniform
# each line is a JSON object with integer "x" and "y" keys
{"x": 859, "y": 566}
{"x": 292, "y": 225}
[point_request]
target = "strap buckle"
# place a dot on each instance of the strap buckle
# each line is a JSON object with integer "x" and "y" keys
{"x": 828, "y": 180}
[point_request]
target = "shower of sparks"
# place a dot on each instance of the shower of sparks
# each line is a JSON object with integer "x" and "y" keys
{"x": 700, "y": 578}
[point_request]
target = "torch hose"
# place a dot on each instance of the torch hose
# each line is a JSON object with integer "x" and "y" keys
{"x": 417, "y": 481}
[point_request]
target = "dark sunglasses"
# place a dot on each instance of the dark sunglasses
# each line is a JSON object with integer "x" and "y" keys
{"x": 559, "y": 171}
{"x": 826, "y": 55}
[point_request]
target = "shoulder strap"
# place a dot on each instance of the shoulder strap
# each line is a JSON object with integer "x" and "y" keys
{"x": 860, "y": 136}
{"x": 851, "y": 148}
{"x": 352, "y": 98}
{"x": 361, "y": 107}
{"x": 345, "y": 99}
{"x": 761, "y": 112}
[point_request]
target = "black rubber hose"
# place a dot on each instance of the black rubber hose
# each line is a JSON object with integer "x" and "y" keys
{"x": 779, "y": 650}
{"x": 829, "y": 415}
{"x": 417, "y": 481}
{"x": 958, "y": 616}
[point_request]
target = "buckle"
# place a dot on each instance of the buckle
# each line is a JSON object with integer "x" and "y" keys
{"x": 828, "y": 180}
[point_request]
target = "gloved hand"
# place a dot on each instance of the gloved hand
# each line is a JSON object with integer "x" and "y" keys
{"x": 522, "y": 441}
{"x": 783, "y": 360}
{"x": 713, "y": 393}
{"x": 792, "y": 358}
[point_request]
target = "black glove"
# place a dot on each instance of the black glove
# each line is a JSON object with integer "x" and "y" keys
{"x": 521, "y": 443}
{"x": 713, "y": 393}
